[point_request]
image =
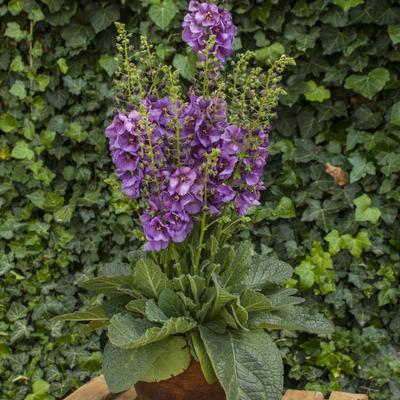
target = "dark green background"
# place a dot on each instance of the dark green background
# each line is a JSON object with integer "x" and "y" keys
{"x": 60, "y": 220}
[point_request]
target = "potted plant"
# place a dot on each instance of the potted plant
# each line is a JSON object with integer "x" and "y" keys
{"x": 190, "y": 317}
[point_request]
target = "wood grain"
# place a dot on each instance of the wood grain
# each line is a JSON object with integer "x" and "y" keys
{"x": 347, "y": 396}
{"x": 191, "y": 385}
{"x": 302, "y": 395}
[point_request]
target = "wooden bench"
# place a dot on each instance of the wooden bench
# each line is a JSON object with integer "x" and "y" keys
{"x": 97, "y": 389}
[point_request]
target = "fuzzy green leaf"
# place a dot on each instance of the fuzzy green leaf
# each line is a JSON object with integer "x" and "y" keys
{"x": 95, "y": 313}
{"x": 266, "y": 270}
{"x": 248, "y": 365}
{"x": 292, "y": 318}
{"x": 122, "y": 368}
{"x": 174, "y": 360}
{"x": 149, "y": 278}
{"x": 130, "y": 333}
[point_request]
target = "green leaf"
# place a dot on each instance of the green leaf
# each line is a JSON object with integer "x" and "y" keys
{"x": 18, "y": 89}
{"x": 77, "y": 35}
{"x": 266, "y": 270}
{"x": 334, "y": 240}
{"x": 186, "y": 65}
{"x": 395, "y": 114}
{"x": 137, "y": 306}
{"x": 363, "y": 210}
{"x": 170, "y": 303}
{"x": 40, "y": 388}
{"x": 174, "y": 360}
{"x": 234, "y": 276}
{"x": 22, "y": 151}
{"x": 254, "y": 301}
{"x": 95, "y": 313}
{"x": 248, "y": 365}
{"x": 108, "y": 63}
{"x": 130, "y": 333}
{"x": 74, "y": 131}
{"x": 292, "y": 318}
{"x": 204, "y": 360}
{"x": 149, "y": 278}
{"x": 345, "y": 5}
{"x": 8, "y": 123}
{"x": 102, "y": 16}
{"x": 47, "y": 201}
{"x": 270, "y": 53}
{"x": 62, "y": 65}
{"x": 123, "y": 368}
{"x": 317, "y": 93}
{"x": 64, "y": 214}
{"x": 361, "y": 167}
{"x": 108, "y": 285}
{"x": 14, "y": 31}
{"x": 163, "y": 13}
{"x": 357, "y": 244}
{"x": 153, "y": 312}
{"x": 394, "y": 33}
{"x": 368, "y": 85}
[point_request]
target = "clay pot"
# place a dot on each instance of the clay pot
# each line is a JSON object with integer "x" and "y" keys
{"x": 190, "y": 385}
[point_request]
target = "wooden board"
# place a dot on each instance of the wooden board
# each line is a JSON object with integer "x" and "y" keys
{"x": 97, "y": 389}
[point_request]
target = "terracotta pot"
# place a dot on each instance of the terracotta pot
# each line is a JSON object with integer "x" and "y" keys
{"x": 191, "y": 385}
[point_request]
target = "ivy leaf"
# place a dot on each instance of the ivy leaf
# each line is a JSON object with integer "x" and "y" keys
{"x": 186, "y": 65}
{"x": 334, "y": 240}
{"x": 123, "y": 368}
{"x": 149, "y": 278}
{"x": 101, "y": 17}
{"x": 248, "y": 365}
{"x": 270, "y": 53}
{"x": 395, "y": 114}
{"x": 162, "y": 14}
{"x": 345, "y": 5}
{"x": 130, "y": 333}
{"x": 368, "y": 85}
{"x": 22, "y": 151}
{"x": 361, "y": 167}
{"x": 108, "y": 63}
{"x": 174, "y": 360}
{"x": 317, "y": 93}
{"x": 394, "y": 33}
{"x": 18, "y": 89}
{"x": 363, "y": 210}
{"x": 8, "y": 123}
{"x": 292, "y": 318}
{"x": 14, "y": 31}
{"x": 357, "y": 244}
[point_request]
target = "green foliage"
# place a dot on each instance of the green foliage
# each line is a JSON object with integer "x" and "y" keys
{"x": 222, "y": 311}
{"x": 46, "y": 248}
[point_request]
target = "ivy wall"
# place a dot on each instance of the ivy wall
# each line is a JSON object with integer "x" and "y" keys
{"x": 60, "y": 219}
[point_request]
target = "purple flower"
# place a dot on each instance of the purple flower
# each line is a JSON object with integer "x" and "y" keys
{"x": 182, "y": 180}
{"x": 234, "y": 138}
{"x": 179, "y": 225}
{"x": 205, "y": 19}
{"x": 156, "y": 232}
{"x": 246, "y": 199}
{"x": 131, "y": 183}
{"x": 125, "y": 161}
{"x": 225, "y": 166}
